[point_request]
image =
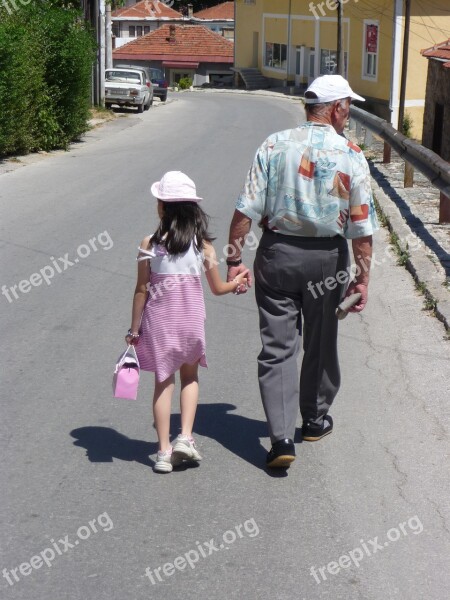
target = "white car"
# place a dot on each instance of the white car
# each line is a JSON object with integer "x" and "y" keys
{"x": 128, "y": 87}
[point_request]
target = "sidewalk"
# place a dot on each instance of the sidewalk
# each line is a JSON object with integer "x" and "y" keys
{"x": 414, "y": 210}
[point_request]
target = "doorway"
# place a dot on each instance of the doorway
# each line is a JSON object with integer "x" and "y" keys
{"x": 255, "y": 49}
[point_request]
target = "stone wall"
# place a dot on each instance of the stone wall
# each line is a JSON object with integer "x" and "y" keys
{"x": 438, "y": 91}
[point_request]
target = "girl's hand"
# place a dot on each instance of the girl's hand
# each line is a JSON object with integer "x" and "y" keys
{"x": 132, "y": 339}
{"x": 233, "y": 272}
{"x": 242, "y": 280}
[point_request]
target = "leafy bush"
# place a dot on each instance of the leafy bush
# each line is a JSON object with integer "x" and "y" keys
{"x": 46, "y": 56}
{"x": 407, "y": 125}
{"x": 185, "y": 83}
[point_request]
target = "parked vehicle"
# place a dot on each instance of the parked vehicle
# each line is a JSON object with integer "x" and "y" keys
{"x": 159, "y": 83}
{"x": 128, "y": 87}
{"x": 157, "y": 78}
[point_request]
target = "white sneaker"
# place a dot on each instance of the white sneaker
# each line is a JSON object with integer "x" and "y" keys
{"x": 184, "y": 449}
{"x": 163, "y": 462}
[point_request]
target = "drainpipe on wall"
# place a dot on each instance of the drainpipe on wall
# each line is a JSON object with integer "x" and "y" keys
{"x": 396, "y": 61}
{"x": 108, "y": 44}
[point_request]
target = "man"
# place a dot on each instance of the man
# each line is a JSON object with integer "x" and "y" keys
{"x": 309, "y": 189}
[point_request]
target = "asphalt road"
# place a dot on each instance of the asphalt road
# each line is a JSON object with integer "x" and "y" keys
{"x": 361, "y": 515}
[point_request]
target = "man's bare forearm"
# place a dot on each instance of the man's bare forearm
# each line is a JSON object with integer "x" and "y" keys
{"x": 239, "y": 229}
{"x": 362, "y": 252}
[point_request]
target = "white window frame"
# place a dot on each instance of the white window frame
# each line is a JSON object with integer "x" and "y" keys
{"x": 279, "y": 67}
{"x": 365, "y": 55}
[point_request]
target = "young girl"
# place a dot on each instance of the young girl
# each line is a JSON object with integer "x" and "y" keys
{"x": 167, "y": 325}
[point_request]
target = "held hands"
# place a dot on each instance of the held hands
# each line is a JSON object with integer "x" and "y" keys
{"x": 243, "y": 277}
{"x": 363, "y": 290}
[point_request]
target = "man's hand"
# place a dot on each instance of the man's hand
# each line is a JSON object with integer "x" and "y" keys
{"x": 363, "y": 290}
{"x": 233, "y": 272}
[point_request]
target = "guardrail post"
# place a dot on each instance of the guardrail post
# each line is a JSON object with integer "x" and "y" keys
{"x": 386, "y": 153}
{"x": 444, "y": 209}
{"x": 409, "y": 175}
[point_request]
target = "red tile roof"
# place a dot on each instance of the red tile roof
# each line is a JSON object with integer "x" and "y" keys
{"x": 220, "y": 11}
{"x": 189, "y": 43}
{"x": 441, "y": 51}
{"x": 148, "y": 8}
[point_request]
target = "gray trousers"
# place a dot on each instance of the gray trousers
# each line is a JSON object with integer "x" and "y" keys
{"x": 287, "y": 269}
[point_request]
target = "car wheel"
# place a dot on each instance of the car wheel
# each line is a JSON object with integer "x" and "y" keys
{"x": 108, "y": 105}
{"x": 140, "y": 108}
{"x": 164, "y": 98}
{"x": 150, "y": 102}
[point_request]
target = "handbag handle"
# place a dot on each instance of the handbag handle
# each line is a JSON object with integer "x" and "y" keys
{"x": 127, "y": 351}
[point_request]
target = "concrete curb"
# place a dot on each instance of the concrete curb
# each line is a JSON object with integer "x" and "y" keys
{"x": 425, "y": 272}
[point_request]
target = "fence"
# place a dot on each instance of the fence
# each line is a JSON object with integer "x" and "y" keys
{"x": 436, "y": 169}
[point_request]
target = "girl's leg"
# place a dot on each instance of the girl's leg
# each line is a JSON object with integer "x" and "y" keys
{"x": 188, "y": 397}
{"x": 162, "y": 399}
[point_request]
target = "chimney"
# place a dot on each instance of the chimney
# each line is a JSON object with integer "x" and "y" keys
{"x": 171, "y": 38}
{"x": 190, "y": 11}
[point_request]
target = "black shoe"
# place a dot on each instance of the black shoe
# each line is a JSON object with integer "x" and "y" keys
{"x": 281, "y": 454}
{"x": 313, "y": 433}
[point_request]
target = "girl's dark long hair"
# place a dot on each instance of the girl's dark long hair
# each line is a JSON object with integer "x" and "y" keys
{"x": 183, "y": 222}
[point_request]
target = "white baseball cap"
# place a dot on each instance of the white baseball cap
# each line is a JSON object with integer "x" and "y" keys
{"x": 329, "y": 88}
{"x": 175, "y": 186}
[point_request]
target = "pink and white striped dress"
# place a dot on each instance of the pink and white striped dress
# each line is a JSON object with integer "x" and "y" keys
{"x": 173, "y": 321}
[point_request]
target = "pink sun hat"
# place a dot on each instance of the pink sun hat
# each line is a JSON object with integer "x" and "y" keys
{"x": 175, "y": 186}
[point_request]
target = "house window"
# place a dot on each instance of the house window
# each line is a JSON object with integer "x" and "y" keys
{"x": 329, "y": 64}
{"x": 138, "y": 30}
{"x": 275, "y": 55}
{"x": 116, "y": 29}
{"x": 146, "y": 29}
{"x": 131, "y": 31}
{"x": 370, "y": 54}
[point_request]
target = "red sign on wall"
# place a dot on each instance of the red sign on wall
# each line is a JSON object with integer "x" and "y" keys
{"x": 371, "y": 38}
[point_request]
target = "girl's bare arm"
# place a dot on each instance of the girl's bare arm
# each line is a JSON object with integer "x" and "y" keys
{"x": 216, "y": 284}
{"x": 141, "y": 291}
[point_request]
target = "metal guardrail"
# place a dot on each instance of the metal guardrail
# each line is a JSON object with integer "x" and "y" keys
{"x": 436, "y": 169}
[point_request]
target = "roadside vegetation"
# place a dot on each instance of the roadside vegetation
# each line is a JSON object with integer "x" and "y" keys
{"x": 46, "y": 56}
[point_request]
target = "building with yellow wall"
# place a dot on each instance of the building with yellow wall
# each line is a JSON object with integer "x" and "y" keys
{"x": 293, "y": 41}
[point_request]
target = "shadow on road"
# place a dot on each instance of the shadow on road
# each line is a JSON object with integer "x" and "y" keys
{"x": 240, "y": 435}
{"x": 103, "y": 444}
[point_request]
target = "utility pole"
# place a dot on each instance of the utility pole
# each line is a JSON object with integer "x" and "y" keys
{"x": 288, "y": 49}
{"x": 401, "y": 108}
{"x": 340, "y": 49}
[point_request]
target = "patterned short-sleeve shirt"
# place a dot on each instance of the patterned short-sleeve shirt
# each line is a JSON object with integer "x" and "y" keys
{"x": 310, "y": 181}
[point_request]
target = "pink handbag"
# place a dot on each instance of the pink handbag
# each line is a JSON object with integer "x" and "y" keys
{"x": 126, "y": 375}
